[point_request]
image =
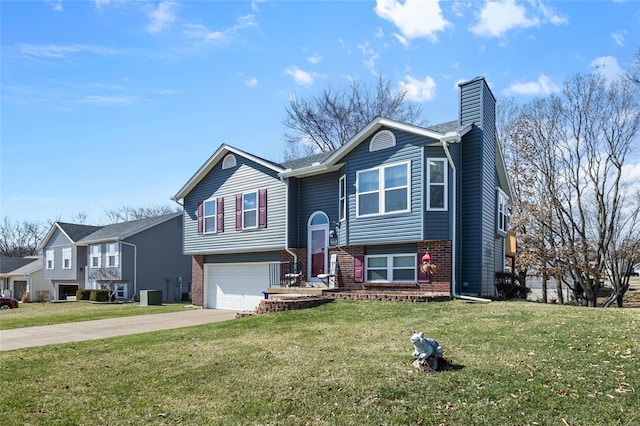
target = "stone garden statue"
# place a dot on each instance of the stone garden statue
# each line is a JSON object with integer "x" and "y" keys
{"x": 429, "y": 353}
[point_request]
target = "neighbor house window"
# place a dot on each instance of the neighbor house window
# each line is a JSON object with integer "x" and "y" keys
{"x": 113, "y": 254}
{"x": 95, "y": 260}
{"x": 250, "y": 210}
{"x": 50, "y": 259}
{"x": 383, "y": 190}
{"x": 120, "y": 291}
{"x": 342, "y": 190}
{"x": 391, "y": 268}
{"x": 503, "y": 211}
{"x": 436, "y": 184}
{"x": 66, "y": 258}
{"x": 210, "y": 216}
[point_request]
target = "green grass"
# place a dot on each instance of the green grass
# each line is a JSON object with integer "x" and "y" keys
{"x": 343, "y": 363}
{"x": 32, "y": 314}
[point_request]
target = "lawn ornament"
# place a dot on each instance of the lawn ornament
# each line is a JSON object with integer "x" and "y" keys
{"x": 429, "y": 354}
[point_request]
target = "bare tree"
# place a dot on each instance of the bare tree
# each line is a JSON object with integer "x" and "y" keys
{"x": 108, "y": 278}
{"x": 634, "y": 74}
{"x": 326, "y": 121}
{"x": 21, "y": 238}
{"x": 127, "y": 213}
{"x": 579, "y": 140}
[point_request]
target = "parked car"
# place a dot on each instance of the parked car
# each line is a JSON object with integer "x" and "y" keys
{"x": 8, "y": 303}
{"x": 632, "y": 274}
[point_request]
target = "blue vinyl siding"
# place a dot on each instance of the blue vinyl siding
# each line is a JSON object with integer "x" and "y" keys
{"x": 57, "y": 242}
{"x": 294, "y": 203}
{"x": 437, "y": 223}
{"x": 478, "y": 248}
{"x": 245, "y": 177}
{"x": 388, "y": 228}
{"x": 317, "y": 193}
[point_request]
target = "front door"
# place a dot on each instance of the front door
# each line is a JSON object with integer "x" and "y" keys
{"x": 317, "y": 242}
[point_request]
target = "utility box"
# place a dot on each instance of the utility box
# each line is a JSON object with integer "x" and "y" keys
{"x": 150, "y": 297}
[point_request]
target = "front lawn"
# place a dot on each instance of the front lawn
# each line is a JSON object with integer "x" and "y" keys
{"x": 343, "y": 363}
{"x": 32, "y": 314}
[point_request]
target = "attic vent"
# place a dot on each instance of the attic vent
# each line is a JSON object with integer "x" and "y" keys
{"x": 382, "y": 140}
{"x": 229, "y": 161}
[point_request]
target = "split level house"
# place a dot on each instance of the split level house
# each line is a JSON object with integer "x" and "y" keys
{"x": 132, "y": 256}
{"x": 21, "y": 278}
{"x": 360, "y": 217}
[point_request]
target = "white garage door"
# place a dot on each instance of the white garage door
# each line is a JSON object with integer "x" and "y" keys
{"x": 236, "y": 286}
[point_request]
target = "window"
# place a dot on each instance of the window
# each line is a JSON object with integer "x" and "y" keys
{"x": 120, "y": 291}
{"x": 95, "y": 260}
{"x": 50, "y": 259}
{"x": 209, "y": 216}
{"x": 66, "y": 258}
{"x": 503, "y": 211}
{"x": 391, "y": 268}
{"x": 437, "y": 184}
{"x": 250, "y": 210}
{"x": 342, "y": 190}
{"x": 383, "y": 190}
{"x": 113, "y": 255}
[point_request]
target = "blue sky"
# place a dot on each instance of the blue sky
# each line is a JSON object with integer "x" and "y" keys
{"x": 111, "y": 103}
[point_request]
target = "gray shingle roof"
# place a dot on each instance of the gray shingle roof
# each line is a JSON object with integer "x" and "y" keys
{"x": 449, "y": 126}
{"x": 8, "y": 264}
{"x": 306, "y": 161}
{"x": 123, "y": 229}
{"x": 77, "y": 232}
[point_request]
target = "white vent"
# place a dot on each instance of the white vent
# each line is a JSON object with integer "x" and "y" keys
{"x": 229, "y": 161}
{"x": 382, "y": 140}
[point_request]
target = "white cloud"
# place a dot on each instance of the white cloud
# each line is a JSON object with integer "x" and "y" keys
{"x": 608, "y": 67}
{"x": 371, "y": 56}
{"x": 631, "y": 171}
{"x": 62, "y": 51}
{"x": 254, "y": 5}
{"x": 162, "y": 17}
{"x": 251, "y": 82}
{"x": 543, "y": 86}
{"x": 618, "y": 37}
{"x": 379, "y": 33}
{"x": 402, "y": 40}
{"x": 314, "y": 58}
{"x": 498, "y": 17}
{"x": 414, "y": 18}
{"x": 419, "y": 90}
{"x": 301, "y": 77}
{"x": 202, "y": 33}
{"x": 55, "y": 4}
{"x": 109, "y": 100}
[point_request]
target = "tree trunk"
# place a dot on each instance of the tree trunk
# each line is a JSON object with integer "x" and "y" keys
{"x": 559, "y": 290}
{"x": 544, "y": 287}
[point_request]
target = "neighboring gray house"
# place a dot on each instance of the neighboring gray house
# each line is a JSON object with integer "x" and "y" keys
{"x": 368, "y": 211}
{"x": 22, "y": 276}
{"x": 137, "y": 255}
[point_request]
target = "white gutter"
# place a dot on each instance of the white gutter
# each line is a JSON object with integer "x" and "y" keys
{"x": 135, "y": 265}
{"x": 455, "y": 138}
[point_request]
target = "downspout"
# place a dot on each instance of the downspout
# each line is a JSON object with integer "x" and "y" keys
{"x": 135, "y": 265}
{"x": 454, "y": 270}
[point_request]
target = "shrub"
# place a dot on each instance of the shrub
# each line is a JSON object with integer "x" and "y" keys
{"x": 42, "y": 295}
{"x": 25, "y": 297}
{"x": 99, "y": 296}
{"x": 83, "y": 294}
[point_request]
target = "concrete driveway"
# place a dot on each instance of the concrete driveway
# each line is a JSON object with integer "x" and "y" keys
{"x": 99, "y": 329}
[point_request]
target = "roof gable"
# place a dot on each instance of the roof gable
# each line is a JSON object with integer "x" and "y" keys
{"x": 72, "y": 231}
{"x": 218, "y": 156}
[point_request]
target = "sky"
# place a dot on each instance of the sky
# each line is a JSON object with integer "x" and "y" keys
{"x": 112, "y": 103}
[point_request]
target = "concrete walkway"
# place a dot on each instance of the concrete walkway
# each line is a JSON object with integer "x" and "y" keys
{"x": 99, "y": 329}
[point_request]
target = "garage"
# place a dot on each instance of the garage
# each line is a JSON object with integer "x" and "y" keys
{"x": 235, "y": 286}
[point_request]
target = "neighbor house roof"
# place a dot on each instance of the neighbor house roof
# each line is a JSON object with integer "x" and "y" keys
{"x": 73, "y": 231}
{"x": 10, "y": 264}
{"x": 122, "y": 230}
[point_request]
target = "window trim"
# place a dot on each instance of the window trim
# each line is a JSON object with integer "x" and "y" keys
{"x": 256, "y": 209}
{"x": 115, "y": 254}
{"x": 229, "y": 161}
{"x": 342, "y": 198}
{"x": 50, "y": 256}
{"x": 97, "y": 255}
{"x": 502, "y": 212}
{"x": 67, "y": 255}
{"x": 444, "y": 184}
{"x": 390, "y": 268}
{"x": 382, "y": 190}
{"x": 213, "y": 217}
